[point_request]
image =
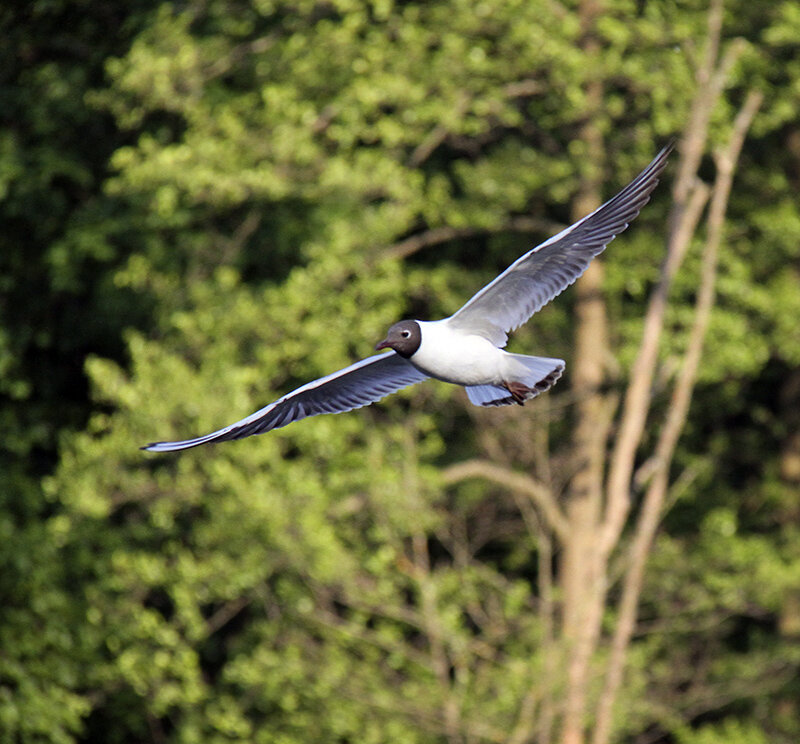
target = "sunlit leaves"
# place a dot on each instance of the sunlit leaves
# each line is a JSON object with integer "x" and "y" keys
{"x": 306, "y": 584}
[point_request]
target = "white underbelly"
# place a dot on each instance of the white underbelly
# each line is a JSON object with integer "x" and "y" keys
{"x": 459, "y": 358}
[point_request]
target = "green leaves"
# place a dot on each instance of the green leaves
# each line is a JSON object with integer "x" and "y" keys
{"x": 203, "y": 208}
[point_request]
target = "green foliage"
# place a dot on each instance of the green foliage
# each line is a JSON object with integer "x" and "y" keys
{"x": 199, "y": 214}
{"x": 730, "y": 730}
{"x": 56, "y": 301}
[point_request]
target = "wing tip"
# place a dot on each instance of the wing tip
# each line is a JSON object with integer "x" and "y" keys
{"x": 161, "y": 447}
{"x": 659, "y": 162}
{"x": 175, "y": 446}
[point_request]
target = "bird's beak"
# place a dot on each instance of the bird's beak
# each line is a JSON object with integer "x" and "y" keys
{"x": 382, "y": 345}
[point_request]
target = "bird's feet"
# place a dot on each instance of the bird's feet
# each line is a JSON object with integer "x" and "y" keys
{"x": 519, "y": 392}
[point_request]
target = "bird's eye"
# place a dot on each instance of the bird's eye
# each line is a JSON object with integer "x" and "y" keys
{"x": 406, "y": 334}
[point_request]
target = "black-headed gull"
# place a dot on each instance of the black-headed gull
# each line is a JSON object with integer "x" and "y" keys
{"x": 466, "y": 348}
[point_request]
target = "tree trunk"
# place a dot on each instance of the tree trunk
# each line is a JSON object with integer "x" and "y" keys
{"x": 582, "y": 576}
{"x": 587, "y": 528}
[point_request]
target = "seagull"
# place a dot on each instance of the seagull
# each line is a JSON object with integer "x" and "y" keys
{"x": 468, "y": 347}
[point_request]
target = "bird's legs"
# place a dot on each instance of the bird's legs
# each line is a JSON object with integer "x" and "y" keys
{"x": 519, "y": 392}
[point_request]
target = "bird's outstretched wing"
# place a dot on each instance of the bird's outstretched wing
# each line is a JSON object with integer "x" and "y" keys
{"x": 358, "y": 385}
{"x": 547, "y": 270}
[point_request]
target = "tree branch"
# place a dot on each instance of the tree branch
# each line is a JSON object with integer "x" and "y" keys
{"x": 523, "y": 484}
{"x": 223, "y": 64}
{"x": 438, "y": 235}
{"x": 524, "y": 88}
{"x": 225, "y": 614}
{"x": 538, "y": 693}
{"x": 688, "y": 203}
{"x": 674, "y": 423}
{"x": 518, "y": 89}
{"x": 434, "y": 632}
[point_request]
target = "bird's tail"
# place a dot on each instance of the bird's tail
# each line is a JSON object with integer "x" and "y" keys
{"x": 535, "y": 374}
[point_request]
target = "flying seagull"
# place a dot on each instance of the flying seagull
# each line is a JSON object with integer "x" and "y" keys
{"x": 466, "y": 348}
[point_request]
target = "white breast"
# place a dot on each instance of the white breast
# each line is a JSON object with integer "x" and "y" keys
{"x": 454, "y": 356}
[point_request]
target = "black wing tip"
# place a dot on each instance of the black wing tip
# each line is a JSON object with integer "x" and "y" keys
{"x": 645, "y": 183}
{"x": 669, "y": 147}
{"x": 655, "y": 167}
{"x": 660, "y": 160}
{"x": 155, "y": 447}
{"x": 177, "y": 446}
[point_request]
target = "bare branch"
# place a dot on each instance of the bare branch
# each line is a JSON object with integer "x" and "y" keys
{"x": 688, "y": 203}
{"x": 522, "y": 88}
{"x": 674, "y": 424}
{"x": 424, "y": 149}
{"x": 346, "y": 629}
{"x": 440, "y": 132}
{"x": 438, "y": 235}
{"x": 437, "y": 135}
{"x": 225, "y": 614}
{"x": 431, "y": 620}
{"x": 324, "y": 119}
{"x": 523, "y": 484}
{"x": 224, "y": 64}
{"x": 538, "y": 693}
{"x": 726, "y": 161}
{"x": 714, "y": 22}
{"x": 451, "y": 713}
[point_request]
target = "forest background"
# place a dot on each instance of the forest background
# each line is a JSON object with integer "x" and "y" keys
{"x": 206, "y": 203}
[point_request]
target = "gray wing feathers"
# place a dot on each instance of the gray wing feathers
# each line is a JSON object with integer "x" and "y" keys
{"x": 355, "y": 386}
{"x": 544, "y": 272}
{"x": 488, "y": 395}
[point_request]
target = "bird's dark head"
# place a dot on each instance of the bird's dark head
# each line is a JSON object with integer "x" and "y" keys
{"x": 404, "y": 337}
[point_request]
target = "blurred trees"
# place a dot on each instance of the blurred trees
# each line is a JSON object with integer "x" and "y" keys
{"x": 58, "y": 301}
{"x": 217, "y": 201}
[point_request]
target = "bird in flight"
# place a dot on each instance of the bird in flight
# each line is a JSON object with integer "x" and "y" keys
{"x": 466, "y": 348}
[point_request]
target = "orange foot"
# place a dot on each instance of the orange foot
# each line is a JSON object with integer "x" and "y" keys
{"x": 518, "y": 391}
